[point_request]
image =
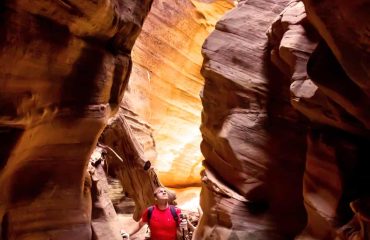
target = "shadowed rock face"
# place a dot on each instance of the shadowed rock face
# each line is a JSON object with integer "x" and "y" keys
{"x": 323, "y": 60}
{"x": 63, "y": 70}
{"x": 325, "y": 91}
{"x": 338, "y": 148}
{"x": 344, "y": 25}
{"x": 253, "y": 139}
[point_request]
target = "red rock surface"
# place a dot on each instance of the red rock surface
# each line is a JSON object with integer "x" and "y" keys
{"x": 63, "y": 69}
{"x": 326, "y": 92}
{"x": 253, "y": 140}
{"x": 344, "y": 25}
{"x": 64, "y": 66}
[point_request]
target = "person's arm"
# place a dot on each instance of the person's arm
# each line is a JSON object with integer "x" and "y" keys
{"x": 137, "y": 227}
{"x": 190, "y": 226}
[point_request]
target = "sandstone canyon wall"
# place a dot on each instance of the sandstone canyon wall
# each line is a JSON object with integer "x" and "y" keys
{"x": 253, "y": 139}
{"x": 339, "y": 67}
{"x": 285, "y": 119}
{"x": 163, "y": 91}
{"x": 63, "y": 69}
{"x": 257, "y": 151}
{"x": 159, "y": 117}
{"x": 325, "y": 91}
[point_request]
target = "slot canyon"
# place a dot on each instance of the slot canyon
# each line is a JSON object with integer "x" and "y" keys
{"x": 255, "y": 115}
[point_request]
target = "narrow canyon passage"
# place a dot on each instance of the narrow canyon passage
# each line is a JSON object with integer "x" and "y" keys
{"x": 256, "y": 112}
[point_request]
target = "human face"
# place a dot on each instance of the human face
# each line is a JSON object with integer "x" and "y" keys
{"x": 161, "y": 193}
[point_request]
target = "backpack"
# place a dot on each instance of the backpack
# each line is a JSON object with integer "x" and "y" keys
{"x": 173, "y": 213}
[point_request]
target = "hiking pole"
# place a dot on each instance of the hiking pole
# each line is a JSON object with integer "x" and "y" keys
{"x": 183, "y": 225}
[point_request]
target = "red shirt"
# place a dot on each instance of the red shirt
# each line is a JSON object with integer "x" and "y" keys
{"x": 162, "y": 225}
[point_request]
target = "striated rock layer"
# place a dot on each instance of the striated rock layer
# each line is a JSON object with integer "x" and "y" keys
{"x": 344, "y": 25}
{"x": 167, "y": 61}
{"x": 335, "y": 177}
{"x": 165, "y": 83}
{"x": 63, "y": 69}
{"x": 133, "y": 168}
{"x": 104, "y": 220}
{"x": 253, "y": 140}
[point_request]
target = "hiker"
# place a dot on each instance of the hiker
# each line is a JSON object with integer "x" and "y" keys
{"x": 163, "y": 219}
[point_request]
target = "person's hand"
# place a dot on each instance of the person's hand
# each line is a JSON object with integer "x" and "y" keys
{"x": 125, "y": 235}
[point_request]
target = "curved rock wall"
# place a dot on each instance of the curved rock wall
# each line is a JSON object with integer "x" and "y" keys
{"x": 324, "y": 90}
{"x": 253, "y": 139}
{"x": 322, "y": 58}
{"x": 344, "y": 25}
{"x": 132, "y": 168}
{"x": 339, "y": 68}
{"x": 165, "y": 83}
{"x": 63, "y": 70}
{"x": 64, "y": 66}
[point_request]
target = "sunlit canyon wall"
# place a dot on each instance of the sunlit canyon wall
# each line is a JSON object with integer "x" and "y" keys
{"x": 165, "y": 83}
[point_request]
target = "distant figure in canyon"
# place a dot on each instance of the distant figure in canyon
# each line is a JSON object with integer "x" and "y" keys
{"x": 164, "y": 220}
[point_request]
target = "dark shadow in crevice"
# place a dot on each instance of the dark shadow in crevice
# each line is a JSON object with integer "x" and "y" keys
{"x": 287, "y": 146}
{"x": 4, "y": 227}
{"x": 8, "y": 138}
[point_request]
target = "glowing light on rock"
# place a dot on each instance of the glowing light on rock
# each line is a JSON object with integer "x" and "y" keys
{"x": 165, "y": 83}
